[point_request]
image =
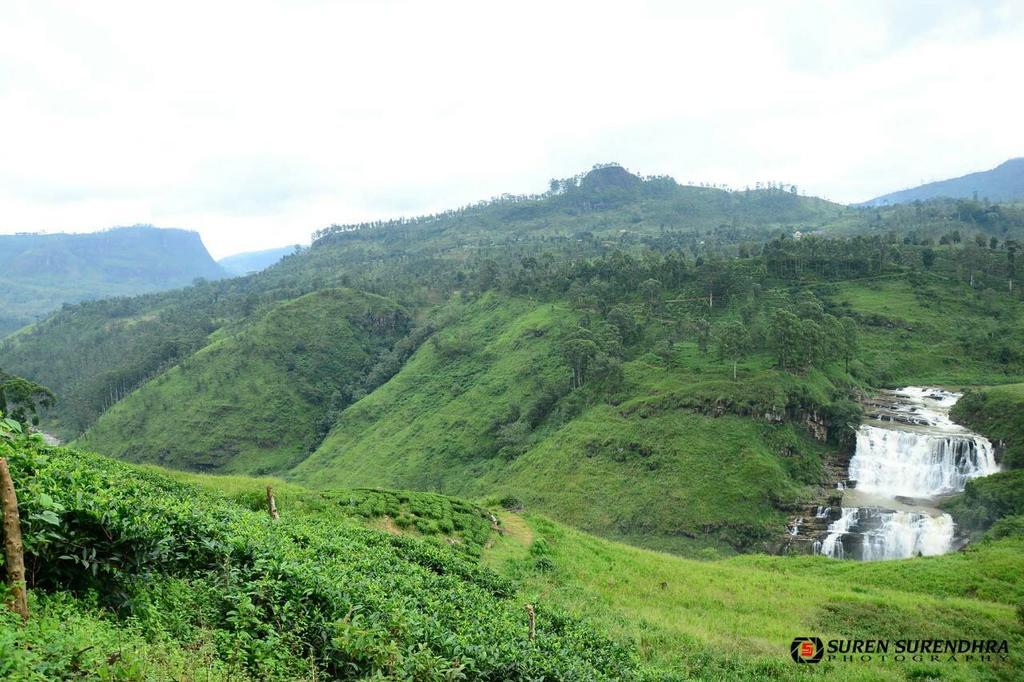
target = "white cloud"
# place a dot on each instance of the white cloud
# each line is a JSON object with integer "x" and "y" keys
{"x": 258, "y": 122}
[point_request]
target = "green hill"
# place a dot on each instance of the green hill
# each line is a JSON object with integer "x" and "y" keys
{"x": 41, "y": 272}
{"x": 675, "y": 454}
{"x": 1004, "y": 183}
{"x": 254, "y": 399}
{"x": 486, "y": 408}
{"x": 93, "y": 353}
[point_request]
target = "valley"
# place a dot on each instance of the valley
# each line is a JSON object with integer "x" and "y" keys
{"x": 655, "y": 413}
{"x": 533, "y": 342}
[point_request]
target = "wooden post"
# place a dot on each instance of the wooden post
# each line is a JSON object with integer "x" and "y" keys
{"x": 532, "y": 615}
{"x": 14, "y": 550}
{"x": 272, "y": 504}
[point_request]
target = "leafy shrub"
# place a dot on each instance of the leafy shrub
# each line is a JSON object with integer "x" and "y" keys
{"x": 986, "y": 500}
{"x": 512, "y": 503}
{"x": 165, "y": 561}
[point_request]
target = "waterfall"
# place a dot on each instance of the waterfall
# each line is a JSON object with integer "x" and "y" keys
{"x": 911, "y": 450}
{"x": 833, "y": 544}
{"x": 874, "y": 534}
{"x": 891, "y": 462}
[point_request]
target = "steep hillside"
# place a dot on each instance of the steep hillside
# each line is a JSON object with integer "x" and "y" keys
{"x": 661, "y": 446}
{"x": 486, "y": 407}
{"x": 254, "y": 261}
{"x": 40, "y": 272}
{"x": 254, "y": 399}
{"x": 1003, "y": 183}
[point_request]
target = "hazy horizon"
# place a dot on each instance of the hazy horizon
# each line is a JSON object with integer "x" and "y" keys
{"x": 256, "y": 124}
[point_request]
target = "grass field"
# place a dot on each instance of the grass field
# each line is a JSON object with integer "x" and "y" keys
{"x": 930, "y": 333}
{"x": 735, "y": 618}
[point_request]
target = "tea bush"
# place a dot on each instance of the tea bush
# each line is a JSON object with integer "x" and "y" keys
{"x": 125, "y": 563}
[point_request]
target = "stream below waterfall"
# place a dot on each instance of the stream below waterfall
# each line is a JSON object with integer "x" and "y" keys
{"x": 909, "y": 456}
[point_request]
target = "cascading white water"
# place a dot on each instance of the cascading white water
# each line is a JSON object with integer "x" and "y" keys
{"x": 906, "y": 534}
{"x": 832, "y": 545}
{"x": 876, "y": 534}
{"x": 892, "y": 462}
{"x": 912, "y": 450}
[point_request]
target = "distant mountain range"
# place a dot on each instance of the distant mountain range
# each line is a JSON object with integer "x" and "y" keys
{"x": 254, "y": 261}
{"x": 1004, "y": 183}
{"x": 40, "y": 272}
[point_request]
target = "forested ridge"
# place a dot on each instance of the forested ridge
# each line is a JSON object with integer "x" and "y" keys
{"x": 587, "y": 223}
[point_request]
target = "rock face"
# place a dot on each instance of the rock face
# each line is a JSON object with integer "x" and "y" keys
{"x": 816, "y": 425}
{"x": 609, "y": 177}
{"x": 890, "y": 406}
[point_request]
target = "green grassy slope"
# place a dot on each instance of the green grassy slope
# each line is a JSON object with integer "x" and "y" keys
{"x": 735, "y": 618}
{"x": 430, "y": 426}
{"x": 927, "y": 330}
{"x": 678, "y": 456}
{"x": 724, "y": 619}
{"x": 485, "y": 410}
{"x": 998, "y": 413}
{"x": 253, "y": 399}
{"x": 192, "y": 580}
{"x": 675, "y": 480}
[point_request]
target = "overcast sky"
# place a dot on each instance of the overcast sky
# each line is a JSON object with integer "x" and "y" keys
{"x": 256, "y": 123}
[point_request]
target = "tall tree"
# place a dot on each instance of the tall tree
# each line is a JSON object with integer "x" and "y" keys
{"x": 851, "y": 340}
{"x": 21, "y": 399}
{"x": 785, "y": 336}
{"x": 732, "y": 339}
